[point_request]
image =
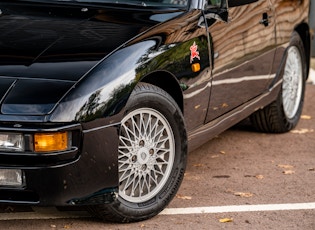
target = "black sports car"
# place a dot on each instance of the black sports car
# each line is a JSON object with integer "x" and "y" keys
{"x": 102, "y": 99}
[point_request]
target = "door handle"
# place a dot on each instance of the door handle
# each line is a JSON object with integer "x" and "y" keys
{"x": 265, "y": 20}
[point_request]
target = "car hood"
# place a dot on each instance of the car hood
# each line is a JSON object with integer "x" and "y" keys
{"x": 46, "y": 48}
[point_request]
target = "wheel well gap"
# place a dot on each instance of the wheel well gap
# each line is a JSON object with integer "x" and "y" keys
{"x": 167, "y": 82}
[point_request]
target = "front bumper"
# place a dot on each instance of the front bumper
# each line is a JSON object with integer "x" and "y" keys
{"x": 86, "y": 174}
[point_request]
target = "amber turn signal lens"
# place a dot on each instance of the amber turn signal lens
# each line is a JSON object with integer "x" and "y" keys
{"x": 50, "y": 142}
{"x": 195, "y": 67}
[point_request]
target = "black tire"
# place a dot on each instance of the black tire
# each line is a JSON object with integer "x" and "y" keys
{"x": 283, "y": 114}
{"x": 152, "y": 157}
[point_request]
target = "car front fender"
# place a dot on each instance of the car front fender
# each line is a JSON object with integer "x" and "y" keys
{"x": 105, "y": 89}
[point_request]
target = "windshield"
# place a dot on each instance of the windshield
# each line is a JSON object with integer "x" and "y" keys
{"x": 177, "y": 3}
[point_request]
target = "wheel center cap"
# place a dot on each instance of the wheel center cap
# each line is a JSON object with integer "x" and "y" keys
{"x": 143, "y": 155}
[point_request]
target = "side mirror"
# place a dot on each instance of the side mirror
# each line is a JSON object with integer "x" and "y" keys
{"x": 217, "y": 9}
{"x": 233, "y": 3}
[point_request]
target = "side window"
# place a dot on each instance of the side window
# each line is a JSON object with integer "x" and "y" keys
{"x": 216, "y": 3}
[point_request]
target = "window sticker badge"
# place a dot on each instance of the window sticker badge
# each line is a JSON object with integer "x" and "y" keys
{"x": 194, "y": 53}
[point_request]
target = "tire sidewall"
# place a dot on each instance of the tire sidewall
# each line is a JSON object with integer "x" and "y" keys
{"x": 290, "y": 123}
{"x": 155, "y": 98}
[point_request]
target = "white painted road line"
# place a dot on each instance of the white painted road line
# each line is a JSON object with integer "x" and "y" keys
{"x": 53, "y": 213}
{"x": 239, "y": 208}
{"x": 311, "y": 77}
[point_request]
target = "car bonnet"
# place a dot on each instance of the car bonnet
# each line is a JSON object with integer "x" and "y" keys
{"x": 46, "y": 48}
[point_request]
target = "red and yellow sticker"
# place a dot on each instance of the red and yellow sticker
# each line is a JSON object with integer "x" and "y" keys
{"x": 194, "y": 53}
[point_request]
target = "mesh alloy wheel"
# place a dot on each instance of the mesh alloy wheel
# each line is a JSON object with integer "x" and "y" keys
{"x": 146, "y": 154}
{"x": 292, "y": 82}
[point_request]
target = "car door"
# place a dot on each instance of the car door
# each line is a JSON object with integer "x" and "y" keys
{"x": 243, "y": 53}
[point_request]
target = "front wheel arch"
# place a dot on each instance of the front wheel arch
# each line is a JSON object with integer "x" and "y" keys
{"x": 168, "y": 83}
{"x": 136, "y": 142}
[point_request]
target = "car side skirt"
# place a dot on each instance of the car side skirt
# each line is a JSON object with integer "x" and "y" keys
{"x": 202, "y": 134}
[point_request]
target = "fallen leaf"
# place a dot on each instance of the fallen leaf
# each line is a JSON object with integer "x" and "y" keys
{"x": 183, "y": 197}
{"x": 306, "y": 117}
{"x": 215, "y": 156}
{"x": 224, "y": 105}
{"x": 243, "y": 194}
{"x": 226, "y": 220}
{"x": 260, "y": 177}
{"x": 248, "y": 176}
{"x": 221, "y": 176}
{"x": 53, "y": 226}
{"x": 311, "y": 169}
{"x": 285, "y": 166}
{"x": 302, "y": 131}
{"x": 222, "y": 152}
{"x": 288, "y": 172}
